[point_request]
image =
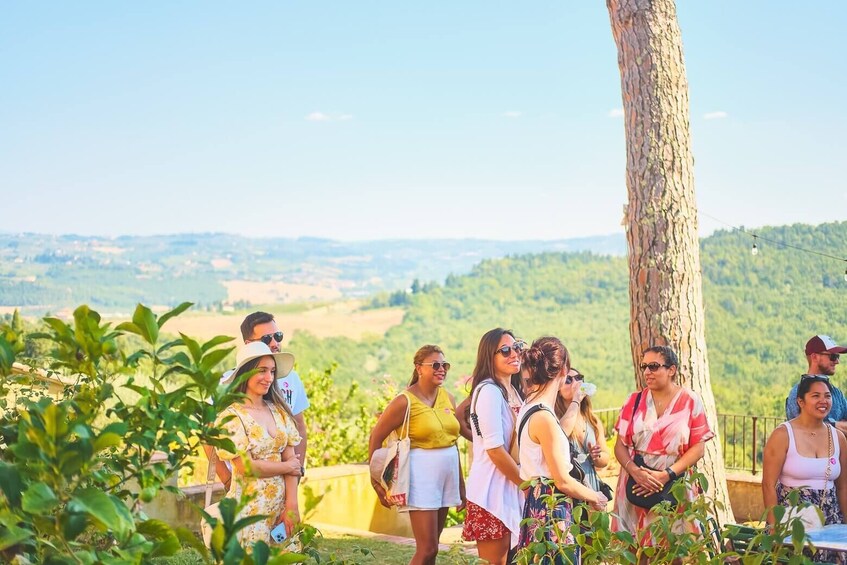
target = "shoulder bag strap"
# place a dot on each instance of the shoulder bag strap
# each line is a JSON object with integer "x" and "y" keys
{"x": 210, "y": 476}
{"x": 474, "y": 417}
{"x": 525, "y": 419}
{"x": 632, "y": 417}
{"x": 406, "y": 422}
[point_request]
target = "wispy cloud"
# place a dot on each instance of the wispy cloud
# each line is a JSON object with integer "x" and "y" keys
{"x": 719, "y": 115}
{"x": 318, "y": 117}
{"x": 322, "y": 117}
{"x": 512, "y": 114}
{"x": 616, "y": 113}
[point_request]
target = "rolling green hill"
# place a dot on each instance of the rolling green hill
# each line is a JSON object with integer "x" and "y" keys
{"x": 760, "y": 310}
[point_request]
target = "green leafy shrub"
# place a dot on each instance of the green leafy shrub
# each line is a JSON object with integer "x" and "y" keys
{"x": 76, "y": 466}
{"x": 599, "y": 544}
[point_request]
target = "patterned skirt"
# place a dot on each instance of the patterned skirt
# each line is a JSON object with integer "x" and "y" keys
{"x": 828, "y": 504}
{"x": 555, "y": 517}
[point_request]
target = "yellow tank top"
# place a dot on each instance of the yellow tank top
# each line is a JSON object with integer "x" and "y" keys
{"x": 431, "y": 428}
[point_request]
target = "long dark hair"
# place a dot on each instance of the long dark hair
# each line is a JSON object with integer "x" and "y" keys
{"x": 484, "y": 368}
{"x": 422, "y": 354}
{"x": 273, "y": 394}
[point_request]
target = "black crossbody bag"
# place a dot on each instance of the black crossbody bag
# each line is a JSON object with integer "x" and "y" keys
{"x": 650, "y": 500}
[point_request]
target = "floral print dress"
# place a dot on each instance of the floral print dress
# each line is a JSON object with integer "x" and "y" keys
{"x": 661, "y": 440}
{"x": 252, "y": 439}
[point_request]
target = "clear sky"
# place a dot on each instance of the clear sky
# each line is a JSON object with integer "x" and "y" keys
{"x": 363, "y": 119}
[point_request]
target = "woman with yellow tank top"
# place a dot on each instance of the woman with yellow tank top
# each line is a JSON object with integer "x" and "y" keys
{"x": 435, "y": 478}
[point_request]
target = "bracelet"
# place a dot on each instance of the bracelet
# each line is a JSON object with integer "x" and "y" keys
{"x": 574, "y": 401}
{"x": 627, "y": 464}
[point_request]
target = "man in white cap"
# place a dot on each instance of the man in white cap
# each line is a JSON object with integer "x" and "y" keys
{"x": 823, "y": 355}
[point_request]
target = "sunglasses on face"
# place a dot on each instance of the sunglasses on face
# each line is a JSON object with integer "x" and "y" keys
{"x": 436, "y": 365}
{"x": 570, "y": 378}
{"x": 267, "y": 338}
{"x": 506, "y": 350}
{"x": 652, "y": 366}
{"x": 832, "y": 356}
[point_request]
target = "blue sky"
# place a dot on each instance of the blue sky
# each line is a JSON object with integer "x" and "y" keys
{"x": 365, "y": 119}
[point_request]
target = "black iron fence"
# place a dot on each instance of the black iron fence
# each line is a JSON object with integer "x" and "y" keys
{"x": 742, "y": 437}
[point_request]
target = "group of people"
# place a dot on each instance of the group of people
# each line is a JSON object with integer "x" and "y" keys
{"x": 808, "y": 452}
{"x": 529, "y": 419}
{"x": 267, "y": 428}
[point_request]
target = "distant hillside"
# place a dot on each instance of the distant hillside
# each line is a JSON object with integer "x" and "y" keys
{"x": 759, "y": 313}
{"x": 48, "y": 273}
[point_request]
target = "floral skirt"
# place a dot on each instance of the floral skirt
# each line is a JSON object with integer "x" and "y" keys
{"x": 482, "y": 525}
{"x": 555, "y": 518}
{"x": 828, "y": 504}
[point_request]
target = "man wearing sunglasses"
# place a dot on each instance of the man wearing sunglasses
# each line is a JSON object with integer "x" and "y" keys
{"x": 261, "y": 326}
{"x": 823, "y": 355}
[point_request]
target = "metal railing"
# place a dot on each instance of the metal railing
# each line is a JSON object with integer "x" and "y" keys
{"x": 742, "y": 436}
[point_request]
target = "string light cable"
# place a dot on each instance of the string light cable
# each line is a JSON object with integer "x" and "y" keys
{"x": 756, "y": 238}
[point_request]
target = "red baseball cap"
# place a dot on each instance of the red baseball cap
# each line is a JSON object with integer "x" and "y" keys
{"x": 823, "y": 344}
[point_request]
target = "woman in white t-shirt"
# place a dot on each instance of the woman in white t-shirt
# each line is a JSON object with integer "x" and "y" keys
{"x": 545, "y": 453}
{"x": 493, "y": 493}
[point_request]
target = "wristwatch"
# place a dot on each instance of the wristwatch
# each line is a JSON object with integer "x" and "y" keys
{"x": 671, "y": 474}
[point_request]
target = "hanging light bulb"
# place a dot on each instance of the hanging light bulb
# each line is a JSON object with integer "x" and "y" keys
{"x": 755, "y": 249}
{"x": 845, "y": 275}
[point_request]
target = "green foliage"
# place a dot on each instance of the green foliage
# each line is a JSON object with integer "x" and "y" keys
{"x": 76, "y": 465}
{"x": 335, "y": 435}
{"x": 705, "y": 545}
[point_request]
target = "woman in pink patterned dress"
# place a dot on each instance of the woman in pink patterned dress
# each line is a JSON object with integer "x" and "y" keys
{"x": 662, "y": 432}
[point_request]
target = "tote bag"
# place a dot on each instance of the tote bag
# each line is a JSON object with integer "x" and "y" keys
{"x": 390, "y": 464}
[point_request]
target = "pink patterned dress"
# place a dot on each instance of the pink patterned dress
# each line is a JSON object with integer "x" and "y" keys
{"x": 661, "y": 441}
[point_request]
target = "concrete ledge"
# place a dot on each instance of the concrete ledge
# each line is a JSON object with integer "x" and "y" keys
{"x": 349, "y": 504}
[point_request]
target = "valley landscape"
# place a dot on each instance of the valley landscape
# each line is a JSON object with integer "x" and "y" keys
{"x": 759, "y": 309}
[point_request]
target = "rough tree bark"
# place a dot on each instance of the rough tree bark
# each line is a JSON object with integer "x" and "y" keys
{"x": 666, "y": 297}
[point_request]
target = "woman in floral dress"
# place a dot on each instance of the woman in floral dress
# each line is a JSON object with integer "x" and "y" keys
{"x": 666, "y": 432}
{"x": 265, "y": 467}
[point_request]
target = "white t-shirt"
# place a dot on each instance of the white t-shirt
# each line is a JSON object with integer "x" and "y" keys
{"x": 486, "y": 486}
{"x": 294, "y": 392}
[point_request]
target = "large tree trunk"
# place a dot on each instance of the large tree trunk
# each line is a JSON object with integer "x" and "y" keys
{"x": 666, "y": 297}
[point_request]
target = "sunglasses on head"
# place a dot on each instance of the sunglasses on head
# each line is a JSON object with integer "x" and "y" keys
{"x": 506, "y": 350}
{"x": 267, "y": 338}
{"x": 652, "y": 366}
{"x": 436, "y": 365}
{"x": 821, "y": 377}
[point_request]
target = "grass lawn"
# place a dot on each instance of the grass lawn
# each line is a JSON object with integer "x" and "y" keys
{"x": 381, "y": 552}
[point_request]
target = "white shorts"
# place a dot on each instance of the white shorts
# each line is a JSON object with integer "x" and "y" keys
{"x": 433, "y": 479}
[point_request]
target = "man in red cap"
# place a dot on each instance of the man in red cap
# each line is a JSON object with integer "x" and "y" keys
{"x": 823, "y": 355}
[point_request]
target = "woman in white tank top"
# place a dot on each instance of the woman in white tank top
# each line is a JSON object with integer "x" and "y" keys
{"x": 808, "y": 454}
{"x": 545, "y": 456}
